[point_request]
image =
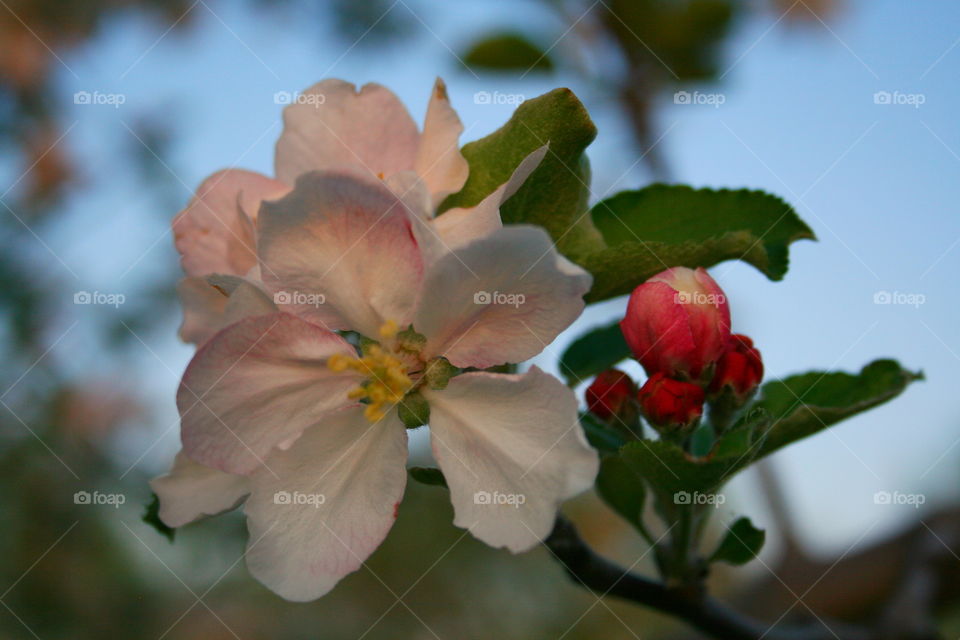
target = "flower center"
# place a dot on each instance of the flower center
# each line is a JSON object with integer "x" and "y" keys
{"x": 388, "y": 373}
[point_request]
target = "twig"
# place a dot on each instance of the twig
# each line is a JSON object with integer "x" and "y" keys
{"x": 598, "y": 574}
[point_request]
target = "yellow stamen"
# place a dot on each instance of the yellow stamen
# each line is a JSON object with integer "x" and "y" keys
{"x": 389, "y": 330}
{"x": 387, "y": 381}
{"x": 338, "y": 362}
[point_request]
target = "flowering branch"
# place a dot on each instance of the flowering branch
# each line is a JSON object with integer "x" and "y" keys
{"x": 693, "y": 606}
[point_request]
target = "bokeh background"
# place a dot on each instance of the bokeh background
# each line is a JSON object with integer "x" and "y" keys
{"x": 846, "y": 108}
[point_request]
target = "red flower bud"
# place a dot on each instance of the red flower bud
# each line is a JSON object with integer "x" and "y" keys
{"x": 740, "y": 368}
{"x": 677, "y": 323}
{"x": 670, "y": 403}
{"x": 610, "y": 394}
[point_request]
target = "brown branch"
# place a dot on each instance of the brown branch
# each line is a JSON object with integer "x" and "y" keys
{"x": 598, "y": 574}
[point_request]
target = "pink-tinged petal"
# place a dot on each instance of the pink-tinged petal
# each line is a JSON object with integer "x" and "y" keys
{"x": 246, "y": 298}
{"x": 203, "y": 307}
{"x": 257, "y": 383}
{"x": 662, "y": 342}
{"x": 502, "y": 298}
{"x": 439, "y": 161}
{"x": 211, "y": 303}
{"x": 712, "y": 321}
{"x": 512, "y": 449}
{"x": 412, "y": 190}
{"x": 190, "y": 491}
{"x": 340, "y": 250}
{"x": 214, "y": 233}
{"x": 332, "y": 124}
{"x": 678, "y": 322}
{"x": 328, "y": 503}
{"x": 459, "y": 226}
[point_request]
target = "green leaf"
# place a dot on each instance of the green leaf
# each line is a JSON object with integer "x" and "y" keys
{"x": 428, "y": 475}
{"x": 508, "y": 51}
{"x": 595, "y": 351}
{"x": 622, "y": 489}
{"x": 741, "y": 544}
{"x": 670, "y": 470}
{"x": 773, "y": 422}
{"x": 804, "y": 404}
{"x": 555, "y": 195}
{"x": 151, "y": 515}
{"x": 661, "y": 226}
{"x": 600, "y": 435}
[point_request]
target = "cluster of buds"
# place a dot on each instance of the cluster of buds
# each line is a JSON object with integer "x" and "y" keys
{"x": 677, "y": 326}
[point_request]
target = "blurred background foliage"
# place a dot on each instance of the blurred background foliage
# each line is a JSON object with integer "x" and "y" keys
{"x": 80, "y": 421}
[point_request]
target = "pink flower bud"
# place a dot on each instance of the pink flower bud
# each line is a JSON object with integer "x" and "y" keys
{"x": 610, "y": 394}
{"x": 740, "y": 368}
{"x": 669, "y": 403}
{"x": 677, "y": 323}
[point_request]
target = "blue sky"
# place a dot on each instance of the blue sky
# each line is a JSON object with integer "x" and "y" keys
{"x": 877, "y": 182}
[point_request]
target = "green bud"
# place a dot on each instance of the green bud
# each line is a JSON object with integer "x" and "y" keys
{"x": 414, "y": 410}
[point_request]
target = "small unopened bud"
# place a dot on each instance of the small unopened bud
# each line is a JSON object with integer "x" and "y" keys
{"x": 612, "y": 394}
{"x": 740, "y": 369}
{"x": 671, "y": 405}
{"x": 677, "y": 323}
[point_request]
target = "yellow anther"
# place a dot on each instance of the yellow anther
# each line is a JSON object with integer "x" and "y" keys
{"x": 357, "y": 393}
{"x": 389, "y": 330}
{"x": 373, "y": 413}
{"x": 338, "y": 362}
{"x": 387, "y": 381}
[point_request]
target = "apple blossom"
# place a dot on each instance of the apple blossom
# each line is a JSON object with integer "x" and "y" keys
{"x": 334, "y": 126}
{"x": 677, "y": 323}
{"x": 278, "y": 404}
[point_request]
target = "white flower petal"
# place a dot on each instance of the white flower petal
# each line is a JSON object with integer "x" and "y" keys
{"x": 214, "y": 302}
{"x": 345, "y": 246}
{"x": 190, "y": 491}
{"x": 332, "y": 124}
{"x": 439, "y": 161}
{"x": 203, "y": 307}
{"x": 461, "y": 225}
{"x": 215, "y": 233}
{"x": 512, "y": 449}
{"x": 502, "y": 298}
{"x": 331, "y": 503}
{"x": 257, "y": 383}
